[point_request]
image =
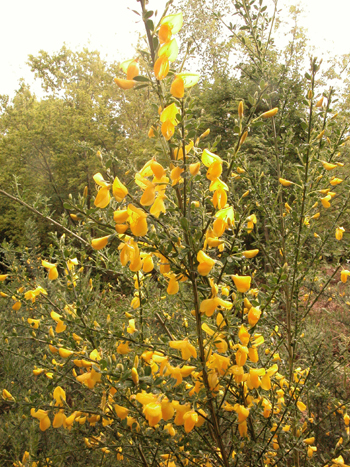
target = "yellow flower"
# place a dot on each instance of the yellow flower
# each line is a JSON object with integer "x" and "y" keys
{"x": 186, "y": 348}
{"x": 209, "y": 305}
{"x": 243, "y": 335}
{"x": 7, "y": 396}
{"x": 137, "y": 221}
{"x": 123, "y": 348}
{"x": 61, "y": 327}
{"x": 170, "y": 25}
{"x": 339, "y": 233}
{"x": 309, "y": 441}
{"x": 177, "y": 88}
{"x": 182, "y": 81}
{"x": 153, "y": 413}
{"x": 60, "y": 396}
{"x": 173, "y": 286}
{"x": 339, "y": 461}
{"x": 53, "y": 273}
{"x": 125, "y": 83}
{"x": 103, "y": 197}
{"x": 135, "y": 302}
{"x": 59, "y": 419}
{"x": 121, "y": 412}
{"x": 41, "y": 415}
{"x": 161, "y": 67}
{"x": 335, "y": 181}
{"x": 134, "y": 375}
{"x": 194, "y": 168}
{"x": 242, "y": 283}
{"x": 328, "y": 165}
{"x": 241, "y": 109}
{"x": 71, "y": 263}
{"x": 205, "y": 263}
{"x": 325, "y": 201}
{"x": 344, "y": 275}
{"x": 131, "y": 328}
{"x": 227, "y": 215}
{"x": 3, "y": 277}
{"x": 288, "y": 208}
{"x": 166, "y": 54}
{"x": 253, "y": 316}
{"x": 251, "y": 220}
{"x": 119, "y": 190}
{"x": 99, "y": 243}
{"x": 32, "y": 294}
{"x": 175, "y": 175}
{"x": 219, "y": 198}
{"x": 169, "y": 114}
{"x": 147, "y": 262}
{"x": 301, "y": 406}
{"x": 16, "y": 306}
{"x": 121, "y": 216}
{"x": 65, "y": 353}
{"x": 34, "y": 323}
{"x": 167, "y": 129}
{"x": 190, "y": 420}
{"x": 270, "y": 113}
{"x": 319, "y": 102}
{"x": 131, "y": 68}
{"x": 168, "y": 119}
{"x": 178, "y": 152}
{"x": 214, "y": 164}
{"x": 250, "y": 253}
{"x": 285, "y": 182}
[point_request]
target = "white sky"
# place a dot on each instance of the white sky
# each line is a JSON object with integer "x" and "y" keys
{"x": 110, "y": 27}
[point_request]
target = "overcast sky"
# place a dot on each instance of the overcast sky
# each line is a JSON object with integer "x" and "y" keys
{"x": 110, "y": 27}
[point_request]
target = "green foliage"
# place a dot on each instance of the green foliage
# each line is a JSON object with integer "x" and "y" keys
{"x": 198, "y": 329}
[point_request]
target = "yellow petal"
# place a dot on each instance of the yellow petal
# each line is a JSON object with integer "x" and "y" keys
{"x": 329, "y": 166}
{"x": 189, "y": 80}
{"x": 161, "y": 67}
{"x": 242, "y": 283}
{"x": 169, "y": 113}
{"x": 209, "y": 157}
{"x": 173, "y": 286}
{"x": 99, "y": 243}
{"x": 53, "y": 273}
{"x": 99, "y": 180}
{"x": 132, "y": 70}
{"x": 167, "y": 129}
{"x": 119, "y": 190}
{"x": 285, "y": 182}
{"x": 250, "y": 253}
{"x": 270, "y": 113}
{"x": 148, "y": 196}
{"x": 194, "y": 168}
{"x": 174, "y": 22}
{"x": 177, "y": 88}
{"x": 125, "y": 83}
{"x": 120, "y": 216}
{"x": 103, "y": 197}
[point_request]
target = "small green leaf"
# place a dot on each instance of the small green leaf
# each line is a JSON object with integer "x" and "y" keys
{"x": 141, "y": 79}
{"x": 150, "y": 25}
{"x": 184, "y": 223}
